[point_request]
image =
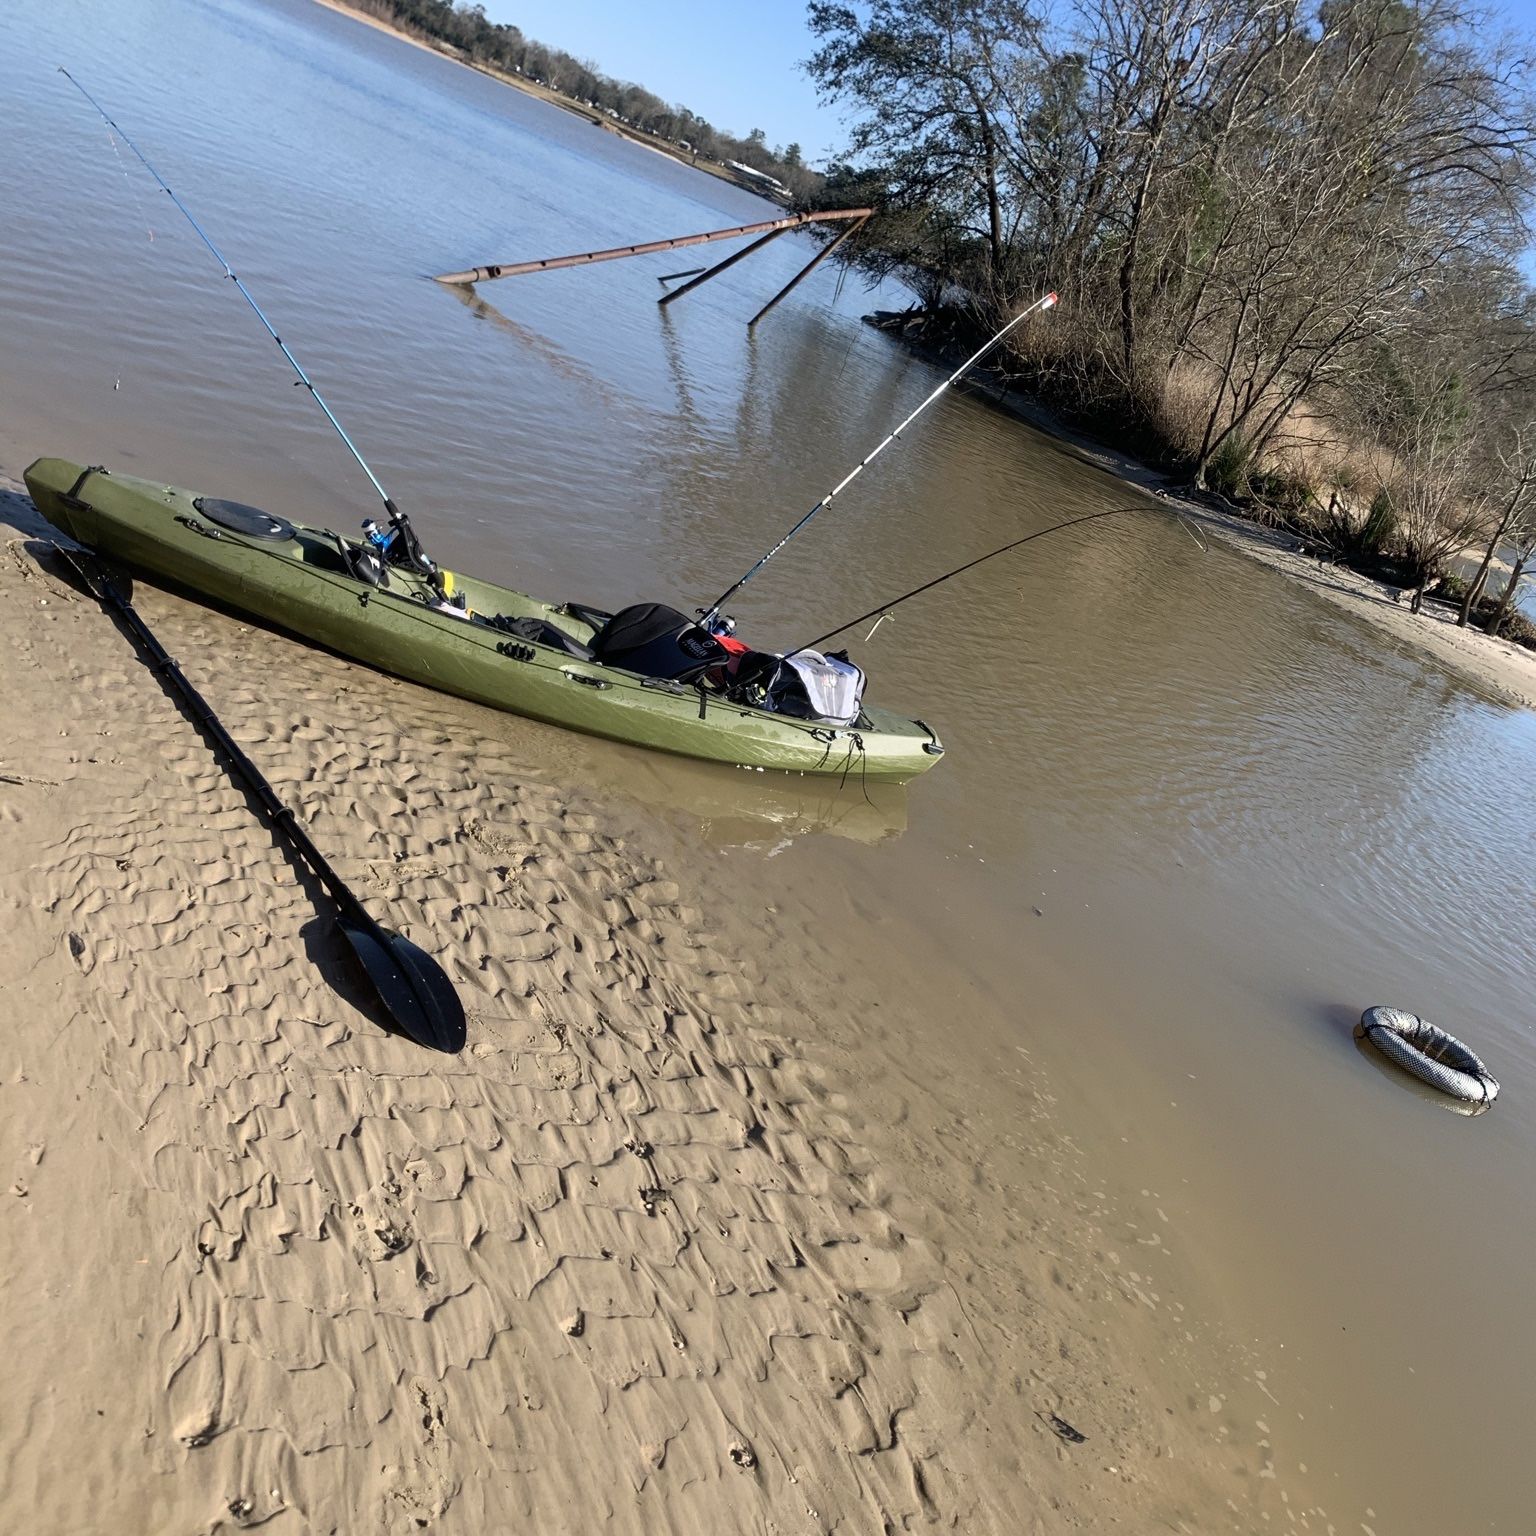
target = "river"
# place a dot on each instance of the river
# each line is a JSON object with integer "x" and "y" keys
{"x": 1192, "y": 819}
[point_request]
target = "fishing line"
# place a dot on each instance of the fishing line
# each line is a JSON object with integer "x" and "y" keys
{"x": 853, "y": 341}
{"x": 713, "y": 611}
{"x": 396, "y": 516}
{"x": 149, "y": 229}
{"x": 883, "y": 609}
{"x": 133, "y": 191}
{"x": 1194, "y": 533}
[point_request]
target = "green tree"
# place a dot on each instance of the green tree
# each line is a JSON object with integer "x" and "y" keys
{"x": 931, "y": 80}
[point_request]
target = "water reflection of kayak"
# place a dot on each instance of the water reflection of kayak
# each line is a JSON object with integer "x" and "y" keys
{"x": 759, "y": 814}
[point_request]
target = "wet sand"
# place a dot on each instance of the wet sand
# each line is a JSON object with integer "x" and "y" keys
{"x": 697, "y": 1234}
{"x": 1499, "y": 668}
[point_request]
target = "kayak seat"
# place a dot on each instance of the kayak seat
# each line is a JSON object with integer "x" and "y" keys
{"x": 656, "y": 641}
{"x": 325, "y": 556}
{"x": 541, "y": 632}
{"x": 362, "y": 563}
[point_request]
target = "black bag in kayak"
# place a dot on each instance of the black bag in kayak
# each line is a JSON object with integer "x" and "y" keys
{"x": 656, "y": 641}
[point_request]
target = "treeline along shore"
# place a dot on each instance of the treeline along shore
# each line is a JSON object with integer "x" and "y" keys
{"x": 1289, "y": 241}
{"x": 464, "y": 32}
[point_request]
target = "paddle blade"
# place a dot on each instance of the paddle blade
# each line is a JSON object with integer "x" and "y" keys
{"x": 415, "y": 993}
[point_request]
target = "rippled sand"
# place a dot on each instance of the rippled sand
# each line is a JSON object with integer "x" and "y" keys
{"x": 673, "y": 1245}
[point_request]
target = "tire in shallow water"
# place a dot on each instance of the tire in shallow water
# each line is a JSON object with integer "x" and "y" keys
{"x": 1432, "y": 1055}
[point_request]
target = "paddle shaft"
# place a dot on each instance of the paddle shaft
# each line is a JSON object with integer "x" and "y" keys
{"x": 279, "y": 817}
{"x": 874, "y": 453}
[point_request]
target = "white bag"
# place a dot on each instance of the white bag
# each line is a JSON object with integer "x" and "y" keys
{"x": 834, "y": 687}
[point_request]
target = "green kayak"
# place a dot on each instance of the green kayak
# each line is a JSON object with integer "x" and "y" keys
{"x": 559, "y": 663}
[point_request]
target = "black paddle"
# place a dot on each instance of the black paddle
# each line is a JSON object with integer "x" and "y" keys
{"x": 411, "y": 985}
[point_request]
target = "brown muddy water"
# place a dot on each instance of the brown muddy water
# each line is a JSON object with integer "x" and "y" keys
{"x": 1192, "y": 821}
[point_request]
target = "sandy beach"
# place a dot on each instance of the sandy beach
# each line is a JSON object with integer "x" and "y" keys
{"x": 696, "y": 1235}
{"x": 1005, "y": 1166}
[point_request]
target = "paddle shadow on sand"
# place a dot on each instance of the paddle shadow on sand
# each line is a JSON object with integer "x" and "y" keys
{"x": 16, "y": 509}
{"x": 332, "y": 935}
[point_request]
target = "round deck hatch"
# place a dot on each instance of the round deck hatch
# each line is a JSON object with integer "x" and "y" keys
{"x": 239, "y": 518}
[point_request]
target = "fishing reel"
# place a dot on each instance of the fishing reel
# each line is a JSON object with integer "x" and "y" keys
{"x": 398, "y": 544}
{"x": 364, "y": 562}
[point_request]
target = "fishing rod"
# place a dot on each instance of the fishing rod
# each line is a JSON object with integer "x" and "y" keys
{"x": 414, "y": 553}
{"x": 713, "y": 612}
{"x": 970, "y": 565}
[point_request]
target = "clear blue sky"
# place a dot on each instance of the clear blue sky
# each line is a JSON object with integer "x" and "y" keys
{"x": 734, "y": 62}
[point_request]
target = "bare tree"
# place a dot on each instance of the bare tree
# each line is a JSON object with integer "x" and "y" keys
{"x": 1440, "y": 497}
{"x": 1521, "y": 535}
{"x": 1253, "y": 197}
{"x": 1169, "y": 81}
{"x": 1389, "y": 152}
{"x": 1515, "y": 513}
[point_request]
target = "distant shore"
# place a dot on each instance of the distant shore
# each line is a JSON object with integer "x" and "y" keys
{"x": 544, "y": 93}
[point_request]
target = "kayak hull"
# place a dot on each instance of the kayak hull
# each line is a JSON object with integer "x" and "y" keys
{"x": 301, "y": 585}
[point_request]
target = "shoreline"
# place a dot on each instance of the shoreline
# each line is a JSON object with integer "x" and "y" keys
{"x": 550, "y": 97}
{"x": 1503, "y": 671}
{"x": 689, "y": 1234}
